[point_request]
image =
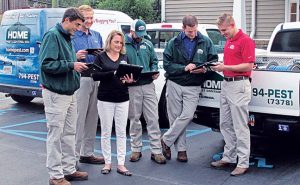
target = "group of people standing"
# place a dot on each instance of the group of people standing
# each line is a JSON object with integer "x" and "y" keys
{"x": 74, "y": 95}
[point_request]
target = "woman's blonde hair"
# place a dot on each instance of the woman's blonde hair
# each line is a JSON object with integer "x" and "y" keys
{"x": 109, "y": 39}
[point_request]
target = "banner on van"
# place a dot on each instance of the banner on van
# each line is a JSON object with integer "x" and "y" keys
{"x": 18, "y": 33}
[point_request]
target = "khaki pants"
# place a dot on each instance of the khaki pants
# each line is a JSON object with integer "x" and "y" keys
{"x": 143, "y": 100}
{"x": 234, "y": 115}
{"x": 182, "y": 102}
{"x": 61, "y": 113}
{"x": 87, "y": 119}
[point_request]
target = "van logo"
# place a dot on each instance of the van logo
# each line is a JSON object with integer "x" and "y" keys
{"x": 18, "y": 33}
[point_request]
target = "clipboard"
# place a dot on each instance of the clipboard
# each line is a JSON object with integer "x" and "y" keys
{"x": 206, "y": 64}
{"x": 149, "y": 73}
{"x": 124, "y": 69}
{"x": 92, "y": 50}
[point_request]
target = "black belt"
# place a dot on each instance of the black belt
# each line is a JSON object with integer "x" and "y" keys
{"x": 236, "y": 78}
{"x": 85, "y": 74}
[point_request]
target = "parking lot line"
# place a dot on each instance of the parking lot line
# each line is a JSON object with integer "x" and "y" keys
{"x": 32, "y": 134}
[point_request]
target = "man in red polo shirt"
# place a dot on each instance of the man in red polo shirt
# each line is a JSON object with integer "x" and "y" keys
{"x": 239, "y": 57}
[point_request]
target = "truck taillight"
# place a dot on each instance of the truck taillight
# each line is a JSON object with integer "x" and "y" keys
{"x": 166, "y": 26}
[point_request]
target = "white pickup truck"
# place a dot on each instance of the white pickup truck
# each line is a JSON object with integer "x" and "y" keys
{"x": 274, "y": 108}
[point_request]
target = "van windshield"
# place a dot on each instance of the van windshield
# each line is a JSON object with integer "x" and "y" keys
{"x": 159, "y": 39}
{"x": 125, "y": 29}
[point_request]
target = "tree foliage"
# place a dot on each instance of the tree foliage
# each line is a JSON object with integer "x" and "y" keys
{"x": 148, "y": 10}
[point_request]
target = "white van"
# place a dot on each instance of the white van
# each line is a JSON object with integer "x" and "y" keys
{"x": 22, "y": 30}
{"x": 108, "y": 20}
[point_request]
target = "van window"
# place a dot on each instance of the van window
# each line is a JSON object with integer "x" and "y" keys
{"x": 217, "y": 39}
{"x": 160, "y": 39}
{"x": 286, "y": 41}
{"x": 125, "y": 29}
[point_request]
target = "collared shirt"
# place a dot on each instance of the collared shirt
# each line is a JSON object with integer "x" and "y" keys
{"x": 237, "y": 50}
{"x": 135, "y": 44}
{"x": 189, "y": 45}
{"x": 82, "y": 41}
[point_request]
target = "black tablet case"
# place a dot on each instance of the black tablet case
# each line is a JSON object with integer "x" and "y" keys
{"x": 124, "y": 69}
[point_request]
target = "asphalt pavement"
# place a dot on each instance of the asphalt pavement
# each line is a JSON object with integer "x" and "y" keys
{"x": 23, "y": 156}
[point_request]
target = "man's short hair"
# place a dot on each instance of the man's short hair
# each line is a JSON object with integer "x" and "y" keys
{"x": 189, "y": 20}
{"x": 73, "y": 14}
{"x": 225, "y": 18}
{"x": 87, "y": 8}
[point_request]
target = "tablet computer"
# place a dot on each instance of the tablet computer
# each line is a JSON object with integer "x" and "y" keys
{"x": 124, "y": 69}
{"x": 206, "y": 64}
{"x": 149, "y": 73}
{"x": 93, "y": 68}
{"x": 92, "y": 50}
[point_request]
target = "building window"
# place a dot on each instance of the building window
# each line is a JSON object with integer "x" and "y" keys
{"x": 294, "y": 10}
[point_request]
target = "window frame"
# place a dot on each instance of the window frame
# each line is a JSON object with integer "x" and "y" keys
{"x": 289, "y": 14}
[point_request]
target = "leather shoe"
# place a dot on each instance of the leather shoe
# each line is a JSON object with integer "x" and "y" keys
{"x": 77, "y": 176}
{"x": 239, "y": 171}
{"x": 182, "y": 157}
{"x": 158, "y": 158}
{"x": 135, "y": 156}
{"x": 91, "y": 160}
{"x": 220, "y": 164}
{"x": 165, "y": 149}
{"x": 61, "y": 181}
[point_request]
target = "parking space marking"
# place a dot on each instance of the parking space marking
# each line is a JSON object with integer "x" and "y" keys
{"x": 25, "y": 123}
{"x": 31, "y": 134}
{"x": 23, "y": 135}
{"x": 259, "y": 162}
{"x": 5, "y": 98}
{"x": 3, "y": 111}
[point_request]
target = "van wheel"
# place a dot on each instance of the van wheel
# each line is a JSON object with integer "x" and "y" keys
{"x": 162, "y": 110}
{"x": 22, "y": 99}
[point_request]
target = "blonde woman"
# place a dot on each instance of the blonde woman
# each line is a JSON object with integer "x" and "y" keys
{"x": 113, "y": 100}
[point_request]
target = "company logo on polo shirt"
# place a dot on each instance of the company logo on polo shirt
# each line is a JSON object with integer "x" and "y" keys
{"x": 141, "y": 28}
{"x": 231, "y": 46}
{"x": 18, "y": 33}
{"x": 200, "y": 51}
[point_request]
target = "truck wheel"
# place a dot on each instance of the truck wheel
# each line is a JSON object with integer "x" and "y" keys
{"x": 162, "y": 110}
{"x": 22, "y": 99}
